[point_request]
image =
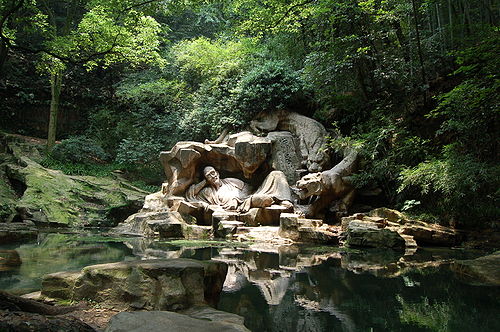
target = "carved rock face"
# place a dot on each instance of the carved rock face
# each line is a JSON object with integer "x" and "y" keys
{"x": 309, "y": 185}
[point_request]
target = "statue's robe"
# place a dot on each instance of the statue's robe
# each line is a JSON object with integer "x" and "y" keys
{"x": 274, "y": 185}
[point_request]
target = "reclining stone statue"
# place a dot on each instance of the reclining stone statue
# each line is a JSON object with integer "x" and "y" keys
{"x": 234, "y": 194}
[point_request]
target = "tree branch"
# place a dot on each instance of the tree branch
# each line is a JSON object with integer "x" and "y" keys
{"x": 289, "y": 10}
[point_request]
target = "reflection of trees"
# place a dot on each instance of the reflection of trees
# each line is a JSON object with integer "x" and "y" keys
{"x": 58, "y": 252}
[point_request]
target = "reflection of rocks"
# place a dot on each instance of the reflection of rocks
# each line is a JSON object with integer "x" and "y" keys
{"x": 387, "y": 263}
{"x": 9, "y": 259}
{"x": 482, "y": 271}
{"x": 150, "y": 284}
{"x": 17, "y": 232}
{"x": 165, "y": 321}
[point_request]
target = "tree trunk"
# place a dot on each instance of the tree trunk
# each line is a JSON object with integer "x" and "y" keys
{"x": 55, "y": 89}
{"x": 4, "y": 51}
{"x": 419, "y": 47}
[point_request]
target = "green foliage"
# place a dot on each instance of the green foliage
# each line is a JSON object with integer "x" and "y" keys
{"x": 205, "y": 61}
{"x": 470, "y": 111}
{"x": 457, "y": 187}
{"x": 71, "y": 168}
{"x": 79, "y": 149}
{"x": 370, "y": 67}
{"x": 385, "y": 151}
{"x": 268, "y": 87}
{"x": 462, "y": 183}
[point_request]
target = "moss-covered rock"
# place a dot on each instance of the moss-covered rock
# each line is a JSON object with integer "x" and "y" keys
{"x": 29, "y": 191}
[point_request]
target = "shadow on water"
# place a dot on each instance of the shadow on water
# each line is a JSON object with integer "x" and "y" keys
{"x": 292, "y": 288}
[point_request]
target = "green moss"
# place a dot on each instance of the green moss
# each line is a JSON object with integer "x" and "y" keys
{"x": 66, "y": 302}
{"x": 7, "y": 199}
{"x": 73, "y": 200}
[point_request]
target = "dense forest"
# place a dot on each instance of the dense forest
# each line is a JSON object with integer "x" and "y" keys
{"x": 413, "y": 85}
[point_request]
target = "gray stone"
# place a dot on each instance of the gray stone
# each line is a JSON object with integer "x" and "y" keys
{"x": 390, "y": 215}
{"x": 164, "y": 321}
{"x": 166, "y": 229}
{"x": 311, "y": 134}
{"x": 227, "y": 228}
{"x": 317, "y": 235}
{"x": 197, "y": 232}
{"x": 289, "y": 226}
{"x": 285, "y": 154}
{"x": 369, "y": 235}
{"x": 26, "y": 321}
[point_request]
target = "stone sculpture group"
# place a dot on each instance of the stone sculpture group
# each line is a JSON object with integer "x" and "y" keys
{"x": 252, "y": 177}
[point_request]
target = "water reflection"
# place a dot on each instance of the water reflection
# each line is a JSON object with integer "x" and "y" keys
{"x": 54, "y": 253}
{"x": 294, "y": 288}
{"x": 374, "y": 290}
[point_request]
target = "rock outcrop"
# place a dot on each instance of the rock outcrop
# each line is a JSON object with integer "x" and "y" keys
{"x": 384, "y": 227}
{"x": 311, "y": 134}
{"x": 148, "y": 284}
{"x": 48, "y": 197}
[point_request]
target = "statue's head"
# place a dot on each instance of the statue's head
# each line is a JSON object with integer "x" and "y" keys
{"x": 309, "y": 185}
{"x": 211, "y": 175}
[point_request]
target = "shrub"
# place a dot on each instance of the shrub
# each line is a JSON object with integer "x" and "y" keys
{"x": 268, "y": 87}
{"x": 456, "y": 186}
{"x": 79, "y": 149}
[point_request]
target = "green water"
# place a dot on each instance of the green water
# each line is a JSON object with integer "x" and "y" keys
{"x": 295, "y": 288}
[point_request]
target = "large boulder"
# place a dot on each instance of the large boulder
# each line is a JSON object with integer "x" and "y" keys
{"x": 164, "y": 321}
{"x": 306, "y": 230}
{"x": 310, "y": 133}
{"x": 28, "y": 322}
{"x": 163, "y": 224}
{"x": 174, "y": 284}
{"x": 482, "y": 271}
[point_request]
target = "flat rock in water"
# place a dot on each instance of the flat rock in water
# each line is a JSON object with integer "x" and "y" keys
{"x": 172, "y": 284}
{"x": 165, "y": 321}
{"x": 482, "y": 271}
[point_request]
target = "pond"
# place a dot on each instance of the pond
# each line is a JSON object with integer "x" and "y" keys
{"x": 294, "y": 288}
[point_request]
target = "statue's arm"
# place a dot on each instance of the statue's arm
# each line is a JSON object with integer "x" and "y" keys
{"x": 194, "y": 189}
